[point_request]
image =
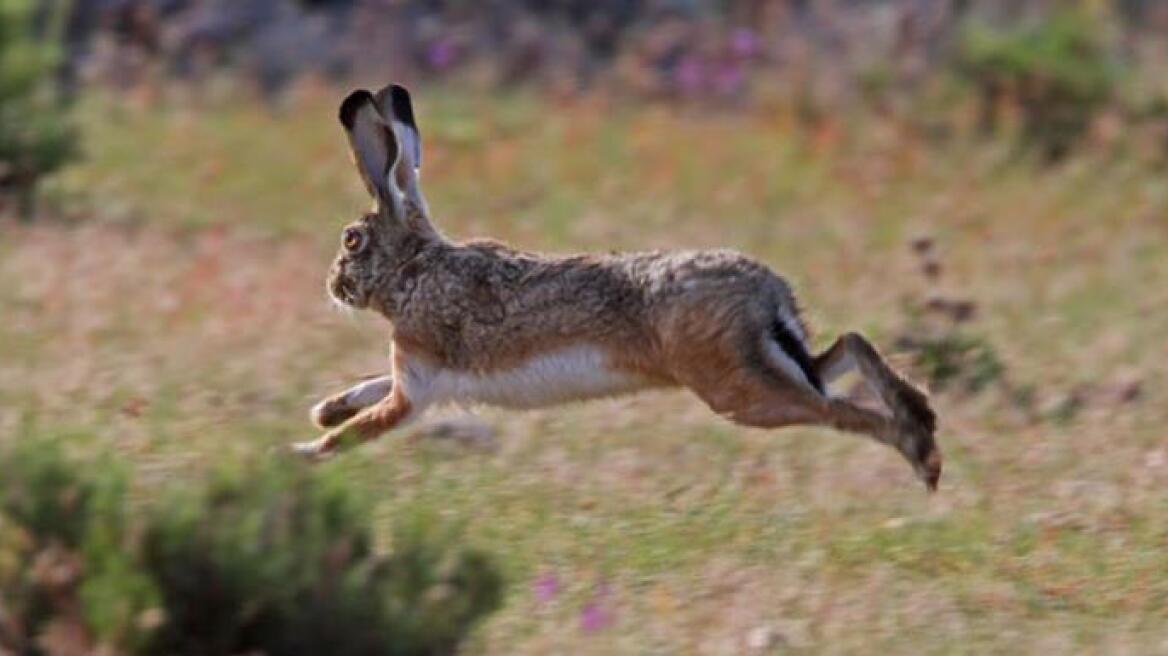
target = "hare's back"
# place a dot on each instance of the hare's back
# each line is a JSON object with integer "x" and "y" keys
{"x": 714, "y": 281}
{"x": 482, "y": 306}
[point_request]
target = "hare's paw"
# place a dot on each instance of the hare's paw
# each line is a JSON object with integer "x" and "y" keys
{"x": 313, "y": 450}
{"x": 332, "y": 412}
{"x": 916, "y": 426}
{"x": 918, "y": 445}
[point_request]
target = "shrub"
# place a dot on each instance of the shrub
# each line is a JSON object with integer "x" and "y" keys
{"x": 951, "y": 359}
{"x": 1057, "y": 73}
{"x": 938, "y": 337}
{"x": 286, "y": 566}
{"x": 36, "y": 137}
{"x": 274, "y": 559}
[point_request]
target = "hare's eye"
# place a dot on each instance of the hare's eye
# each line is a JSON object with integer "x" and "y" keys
{"x": 353, "y": 240}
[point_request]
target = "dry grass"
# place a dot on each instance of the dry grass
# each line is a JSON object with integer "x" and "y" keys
{"x": 184, "y": 323}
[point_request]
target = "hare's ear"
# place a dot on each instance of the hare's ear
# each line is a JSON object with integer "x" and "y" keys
{"x": 398, "y": 111}
{"x": 375, "y": 148}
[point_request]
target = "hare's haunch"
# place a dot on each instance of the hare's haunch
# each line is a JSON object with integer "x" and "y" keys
{"x": 478, "y": 322}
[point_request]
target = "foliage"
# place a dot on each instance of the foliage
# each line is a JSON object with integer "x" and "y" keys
{"x": 952, "y": 359}
{"x": 288, "y": 567}
{"x": 55, "y": 526}
{"x": 937, "y": 335}
{"x": 273, "y": 559}
{"x": 1057, "y": 72}
{"x": 36, "y": 137}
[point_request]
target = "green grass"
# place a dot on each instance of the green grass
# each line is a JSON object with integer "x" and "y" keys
{"x": 182, "y": 321}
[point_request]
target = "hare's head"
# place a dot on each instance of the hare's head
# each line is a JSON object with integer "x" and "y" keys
{"x": 387, "y": 149}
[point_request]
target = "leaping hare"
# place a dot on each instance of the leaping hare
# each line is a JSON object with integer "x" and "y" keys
{"x": 478, "y": 322}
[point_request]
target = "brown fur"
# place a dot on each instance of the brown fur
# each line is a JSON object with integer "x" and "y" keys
{"x": 704, "y": 320}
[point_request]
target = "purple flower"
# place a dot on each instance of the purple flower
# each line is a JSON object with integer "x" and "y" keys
{"x": 690, "y": 75}
{"x": 744, "y": 43}
{"x": 441, "y": 54}
{"x": 546, "y": 587}
{"x": 595, "y": 615}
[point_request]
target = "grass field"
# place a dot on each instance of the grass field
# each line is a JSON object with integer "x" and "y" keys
{"x": 177, "y": 316}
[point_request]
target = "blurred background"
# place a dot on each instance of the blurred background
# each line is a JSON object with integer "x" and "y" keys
{"x": 981, "y": 186}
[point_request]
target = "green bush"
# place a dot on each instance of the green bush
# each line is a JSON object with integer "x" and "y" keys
{"x": 286, "y": 566}
{"x": 36, "y": 137}
{"x": 55, "y": 525}
{"x": 1057, "y": 73}
{"x": 275, "y": 560}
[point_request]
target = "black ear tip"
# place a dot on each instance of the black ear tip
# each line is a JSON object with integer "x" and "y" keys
{"x": 403, "y": 109}
{"x": 351, "y": 104}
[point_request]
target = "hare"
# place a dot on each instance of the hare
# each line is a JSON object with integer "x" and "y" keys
{"x": 478, "y": 322}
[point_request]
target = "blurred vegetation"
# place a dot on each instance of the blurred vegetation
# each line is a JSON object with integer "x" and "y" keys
{"x": 265, "y": 559}
{"x": 1047, "y": 72}
{"x": 936, "y": 332}
{"x": 1058, "y": 73}
{"x": 950, "y": 359}
{"x": 36, "y": 137}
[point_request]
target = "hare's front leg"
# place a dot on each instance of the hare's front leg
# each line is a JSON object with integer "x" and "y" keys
{"x": 338, "y": 408}
{"x": 393, "y": 411}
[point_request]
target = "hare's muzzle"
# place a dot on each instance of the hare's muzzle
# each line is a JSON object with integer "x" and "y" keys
{"x": 342, "y": 289}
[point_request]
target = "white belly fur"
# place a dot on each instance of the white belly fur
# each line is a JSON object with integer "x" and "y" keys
{"x": 571, "y": 374}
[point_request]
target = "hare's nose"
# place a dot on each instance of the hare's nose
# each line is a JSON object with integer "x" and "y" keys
{"x": 339, "y": 288}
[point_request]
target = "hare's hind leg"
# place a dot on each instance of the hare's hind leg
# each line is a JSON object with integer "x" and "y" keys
{"x": 338, "y": 408}
{"x": 751, "y": 389}
{"x": 770, "y": 406}
{"x": 908, "y": 405}
{"x": 913, "y": 421}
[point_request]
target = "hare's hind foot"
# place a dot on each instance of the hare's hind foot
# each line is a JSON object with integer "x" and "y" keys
{"x": 916, "y": 442}
{"x": 339, "y": 408}
{"x": 916, "y": 424}
{"x": 913, "y": 423}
